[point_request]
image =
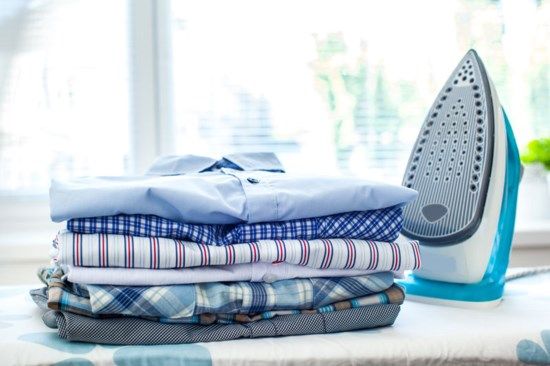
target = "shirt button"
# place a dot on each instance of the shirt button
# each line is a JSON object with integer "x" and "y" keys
{"x": 253, "y": 180}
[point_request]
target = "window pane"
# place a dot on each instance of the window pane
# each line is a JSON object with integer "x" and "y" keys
{"x": 63, "y": 91}
{"x": 345, "y": 86}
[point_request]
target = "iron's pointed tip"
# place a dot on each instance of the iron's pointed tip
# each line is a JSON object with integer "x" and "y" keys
{"x": 472, "y": 53}
{"x": 474, "y": 56}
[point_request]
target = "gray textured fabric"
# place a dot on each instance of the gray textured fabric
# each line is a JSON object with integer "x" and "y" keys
{"x": 134, "y": 331}
{"x": 40, "y": 297}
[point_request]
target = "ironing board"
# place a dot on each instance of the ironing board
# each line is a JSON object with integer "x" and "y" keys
{"x": 517, "y": 332}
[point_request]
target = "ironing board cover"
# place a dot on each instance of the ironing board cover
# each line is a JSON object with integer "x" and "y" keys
{"x": 517, "y": 332}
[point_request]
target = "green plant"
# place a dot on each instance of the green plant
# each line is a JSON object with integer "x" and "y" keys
{"x": 537, "y": 151}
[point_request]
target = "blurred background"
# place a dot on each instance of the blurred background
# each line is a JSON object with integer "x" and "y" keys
{"x": 102, "y": 87}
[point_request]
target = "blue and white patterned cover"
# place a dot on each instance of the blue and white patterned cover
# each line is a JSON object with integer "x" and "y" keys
{"x": 516, "y": 332}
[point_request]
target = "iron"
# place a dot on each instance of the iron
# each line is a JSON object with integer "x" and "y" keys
{"x": 465, "y": 165}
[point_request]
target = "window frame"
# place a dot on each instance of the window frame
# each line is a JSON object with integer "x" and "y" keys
{"x": 151, "y": 91}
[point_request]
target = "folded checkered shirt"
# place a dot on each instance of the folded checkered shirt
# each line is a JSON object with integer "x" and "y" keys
{"x": 181, "y": 301}
{"x": 108, "y": 250}
{"x": 383, "y": 225}
{"x": 393, "y": 295}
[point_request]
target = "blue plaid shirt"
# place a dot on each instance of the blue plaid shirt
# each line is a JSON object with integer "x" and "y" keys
{"x": 180, "y": 301}
{"x": 380, "y": 225}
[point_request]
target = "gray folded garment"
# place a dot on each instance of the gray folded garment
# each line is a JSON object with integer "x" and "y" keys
{"x": 133, "y": 331}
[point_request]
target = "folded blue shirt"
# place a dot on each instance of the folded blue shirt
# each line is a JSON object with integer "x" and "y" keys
{"x": 380, "y": 225}
{"x": 240, "y": 188}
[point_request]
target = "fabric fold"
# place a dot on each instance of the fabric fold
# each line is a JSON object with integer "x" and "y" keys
{"x": 254, "y": 272}
{"x": 381, "y": 225}
{"x": 227, "y": 196}
{"x": 180, "y": 301}
{"x": 106, "y": 250}
{"x": 392, "y": 295}
{"x": 133, "y": 331}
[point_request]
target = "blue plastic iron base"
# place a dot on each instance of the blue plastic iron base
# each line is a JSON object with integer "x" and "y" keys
{"x": 423, "y": 290}
{"x": 491, "y": 287}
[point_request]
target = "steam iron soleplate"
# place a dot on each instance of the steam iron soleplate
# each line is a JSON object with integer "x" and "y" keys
{"x": 465, "y": 165}
{"x": 451, "y": 164}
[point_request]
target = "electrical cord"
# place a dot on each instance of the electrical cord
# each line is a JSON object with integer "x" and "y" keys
{"x": 527, "y": 272}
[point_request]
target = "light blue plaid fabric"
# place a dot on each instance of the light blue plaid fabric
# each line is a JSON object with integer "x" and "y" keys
{"x": 393, "y": 295}
{"x": 381, "y": 225}
{"x": 181, "y": 301}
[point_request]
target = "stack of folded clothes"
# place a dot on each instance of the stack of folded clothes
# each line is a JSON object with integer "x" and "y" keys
{"x": 201, "y": 250}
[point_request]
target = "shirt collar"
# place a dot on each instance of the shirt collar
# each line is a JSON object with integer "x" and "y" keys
{"x": 186, "y": 164}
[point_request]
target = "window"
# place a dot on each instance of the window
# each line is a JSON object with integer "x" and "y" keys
{"x": 64, "y": 108}
{"x": 64, "y": 105}
{"x": 99, "y": 87}
{"x": 344, "y": 86}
